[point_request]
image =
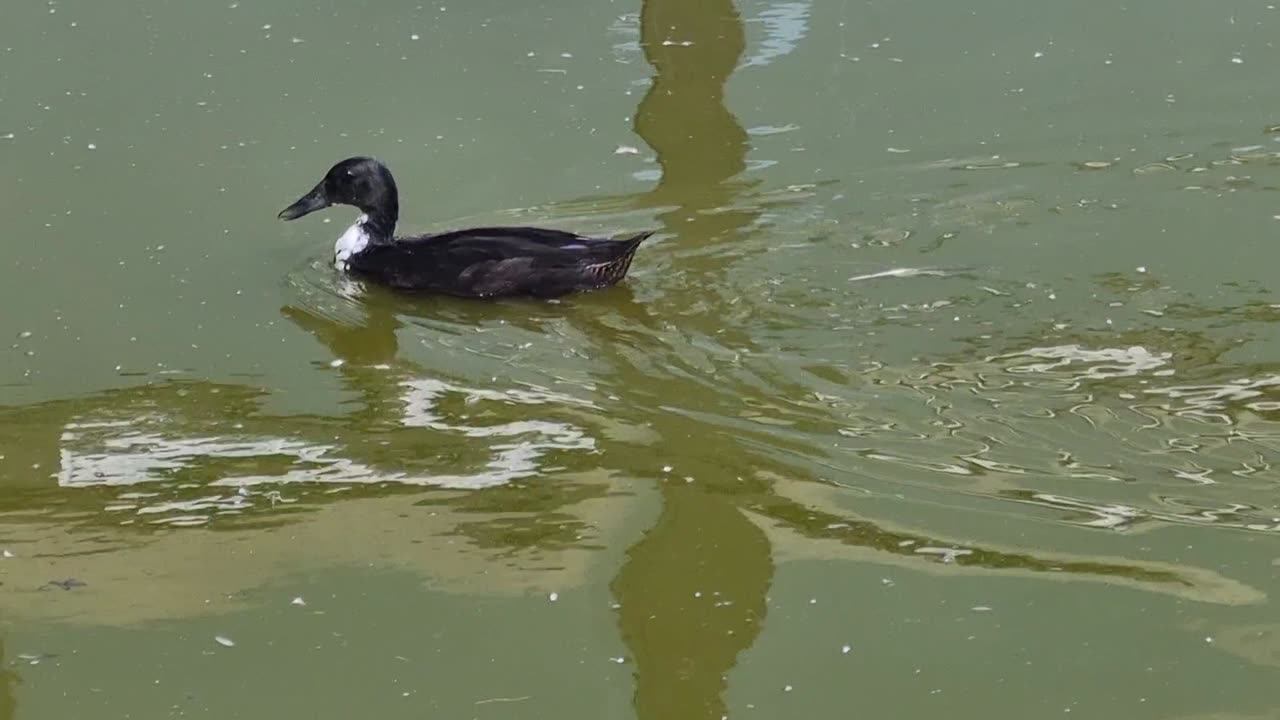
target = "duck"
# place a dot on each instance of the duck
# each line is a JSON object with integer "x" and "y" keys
{"x": 480, "y": 262}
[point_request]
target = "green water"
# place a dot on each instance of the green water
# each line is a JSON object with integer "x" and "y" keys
{"x": 947, "y": 388}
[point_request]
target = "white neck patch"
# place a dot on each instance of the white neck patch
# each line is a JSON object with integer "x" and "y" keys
{"x": 355, "y": 239}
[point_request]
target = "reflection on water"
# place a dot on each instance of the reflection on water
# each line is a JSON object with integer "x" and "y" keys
{"x": 9, "y": 681}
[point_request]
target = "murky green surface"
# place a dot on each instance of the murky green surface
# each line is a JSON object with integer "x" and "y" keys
{"x": 948, "y": 388}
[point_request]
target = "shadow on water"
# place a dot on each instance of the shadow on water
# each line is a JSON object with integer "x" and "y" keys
{"x": 9, "y": 681}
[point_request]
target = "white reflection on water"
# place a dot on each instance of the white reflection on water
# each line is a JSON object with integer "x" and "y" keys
{"x": 152, "y": 447}
{"x": 1208, "y": 401}
{"x": 785, "y": 25}
{"x": 1101, "y": 363}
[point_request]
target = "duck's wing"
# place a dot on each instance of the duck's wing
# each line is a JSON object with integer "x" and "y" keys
{"x": 500, "y": 261}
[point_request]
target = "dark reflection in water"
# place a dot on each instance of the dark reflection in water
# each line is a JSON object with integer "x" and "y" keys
{"x": 9, "y": 681}
{"x": 692, "y": 591}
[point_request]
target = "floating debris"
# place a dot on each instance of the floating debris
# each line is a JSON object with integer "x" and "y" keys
{"x": 298, "y": 601}
{"x": 626, "y": 150}
{"x": 990, "y": 166}
{"x": 553, "y": 597}
{"x": 946, "y": 555}
{"x": 35, "y": 658}
{"x": 224, "y": 641}
{"x": 1095, "y": 164}
{"x": 844, "y": 649}
{"x": 65, "y": 584}
{"x": 898, "y": 273}
{"x": 8, "y": 554}
{"x": 980, "y": 608}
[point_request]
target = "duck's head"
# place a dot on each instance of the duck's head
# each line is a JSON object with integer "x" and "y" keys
{"x": 361, "y": 182}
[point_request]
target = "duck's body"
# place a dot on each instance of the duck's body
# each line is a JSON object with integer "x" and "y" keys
{"x": 476, "y": 262}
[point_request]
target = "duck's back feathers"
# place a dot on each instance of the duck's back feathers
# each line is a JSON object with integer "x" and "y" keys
{"x": 494, "y": 261}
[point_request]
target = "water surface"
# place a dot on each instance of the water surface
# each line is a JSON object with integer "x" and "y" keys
{"x": 946, "y": 388}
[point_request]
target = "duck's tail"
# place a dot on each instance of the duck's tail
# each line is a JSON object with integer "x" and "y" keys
{"x": 607, "y": 272}
{"x": 623, "y": 263}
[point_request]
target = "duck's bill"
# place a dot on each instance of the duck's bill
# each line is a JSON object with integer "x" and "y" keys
{"x": 309, "y": 203}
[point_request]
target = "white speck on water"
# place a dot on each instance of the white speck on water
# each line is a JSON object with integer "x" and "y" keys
{"x": 898, "y": 150}
{"x": 1208, "y": 639}
{"x": 886, "y": 581}
{"x": 224, "y": 641}
{"x": 337, "y": 363}
{"x": 697, "y": 594}
{"x": 267, "y": 26}
{"x": 8, "y": 554}
{"x": 296, "y": 40}
{"x": 566, "y": 55}
{"x": 787, "y": 689}
{"x": 1038, "y": 54}
{"x": 1237, "y": 60}
{"x": 666, "y": 468}
{"x": 813, "y": 601}
{"x": 980, "y": 608}
{"x": 7, "y": 136}
{"x": 415, "y": 36}
{"x": 844, "y": 649}
{"x": 553, "y": 597}
{"x": 619, "y": 660}
{"x": 92, "y": 146}
{"x": 298, "y": 601}
{"x": 24, "y": 334}
{"x": 626, "y": 150}
{"x": 1142, "y": 268}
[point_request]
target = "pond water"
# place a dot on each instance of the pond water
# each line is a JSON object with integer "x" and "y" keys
{"x": 948, "y": 386}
